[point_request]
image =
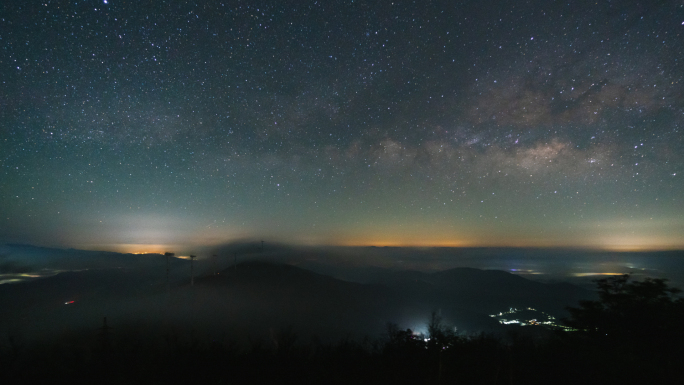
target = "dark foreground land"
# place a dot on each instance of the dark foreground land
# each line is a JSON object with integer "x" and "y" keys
{"x": 399, "y": 358}
{"x": 630, "y": 335}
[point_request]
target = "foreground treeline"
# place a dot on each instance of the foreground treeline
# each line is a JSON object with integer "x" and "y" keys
{"x": 631, "y": 335}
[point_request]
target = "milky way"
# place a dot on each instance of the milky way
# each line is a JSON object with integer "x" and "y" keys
{"x": 167, "y": 125}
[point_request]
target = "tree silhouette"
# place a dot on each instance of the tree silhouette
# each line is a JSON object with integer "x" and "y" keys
{"x": 438, "y": 333}
{"x": 633, "y": 324}
{"x": 629, "y": 309}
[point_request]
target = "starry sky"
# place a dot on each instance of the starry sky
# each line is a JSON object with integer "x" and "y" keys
{"x": 156, "y": 125}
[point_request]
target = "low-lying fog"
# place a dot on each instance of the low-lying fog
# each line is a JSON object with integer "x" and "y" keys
{"x": 323, "y": 293}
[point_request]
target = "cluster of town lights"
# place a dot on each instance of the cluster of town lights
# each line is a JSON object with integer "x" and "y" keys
{"x": 545, "y": 319}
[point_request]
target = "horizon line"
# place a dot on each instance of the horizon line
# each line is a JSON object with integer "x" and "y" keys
{"x": 128, "y": 248}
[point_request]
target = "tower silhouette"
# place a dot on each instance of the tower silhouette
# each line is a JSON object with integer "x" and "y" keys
{"x": 105, "y": 339}
{"x": 235, "y": 263}
{"x": 192, "y": 271}
{"x": 168, "y": 268}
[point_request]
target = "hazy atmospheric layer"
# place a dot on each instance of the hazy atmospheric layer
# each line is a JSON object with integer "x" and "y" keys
{"x": 355, "y": 264}
{"x": 166, "y": 125}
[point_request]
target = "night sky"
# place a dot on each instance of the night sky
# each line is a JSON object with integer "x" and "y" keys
{"x": 169, "y": 125}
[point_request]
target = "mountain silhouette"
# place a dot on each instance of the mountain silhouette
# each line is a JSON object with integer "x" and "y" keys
{"x": 258, "y": 299}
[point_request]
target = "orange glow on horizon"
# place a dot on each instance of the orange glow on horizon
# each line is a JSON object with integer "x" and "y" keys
{"x": 594, "y": 274}
{"x": 406, "y": 238}
{"x": 135, "y": 248}
{"x": 385, "y": 242}
{"x": 389, "y": 242}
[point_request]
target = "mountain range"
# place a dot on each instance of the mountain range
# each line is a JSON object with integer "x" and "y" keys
{"x": 259, "y": 299}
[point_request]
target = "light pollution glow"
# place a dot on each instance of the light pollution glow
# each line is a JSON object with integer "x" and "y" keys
{"x": 530, "y": 131}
